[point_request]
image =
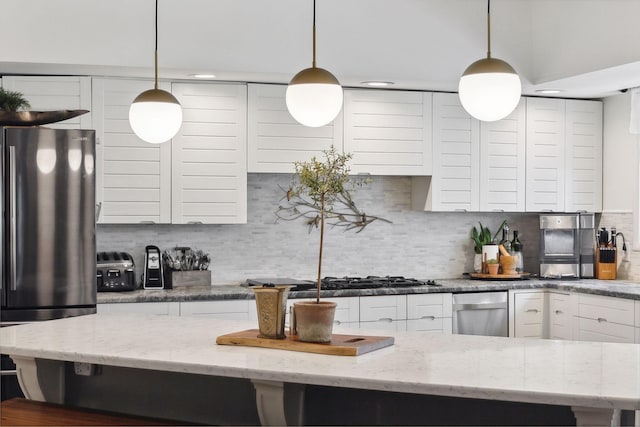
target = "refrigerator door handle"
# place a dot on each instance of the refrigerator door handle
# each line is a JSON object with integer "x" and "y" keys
{"x": 12, "y": 220}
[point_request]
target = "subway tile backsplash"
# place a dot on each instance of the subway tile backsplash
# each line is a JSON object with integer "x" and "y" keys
{"x": 424, "y": 245}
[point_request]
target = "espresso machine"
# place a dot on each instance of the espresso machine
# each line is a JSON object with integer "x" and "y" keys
{"x": 567, "y": 245}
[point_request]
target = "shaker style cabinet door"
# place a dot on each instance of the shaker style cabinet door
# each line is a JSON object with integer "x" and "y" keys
{"x": 208, "y": 159}
{"x": 388, "y": 132}
{"x": 275, "y": 139}
{"x": 133, "y": 180}
{"x": 46, "y": 93}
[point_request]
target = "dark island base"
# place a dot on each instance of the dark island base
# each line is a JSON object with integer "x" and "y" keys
{"x": 211, "y": 400}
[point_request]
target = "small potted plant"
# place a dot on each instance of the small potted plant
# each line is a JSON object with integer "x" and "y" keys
{"x": 321, "y": 192}
{"x": 493, "y": 266}
{"x": 484, "y": 243}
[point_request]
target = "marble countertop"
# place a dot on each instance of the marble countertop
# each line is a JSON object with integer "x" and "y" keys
{"x": 599, "y": 375}
{"x": 615, "y": 288}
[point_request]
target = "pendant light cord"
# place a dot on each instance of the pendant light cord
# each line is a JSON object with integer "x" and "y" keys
{"x": 313, "y": 63}
{"x": 488, "y": 28}
{"x": 156, "y": 49}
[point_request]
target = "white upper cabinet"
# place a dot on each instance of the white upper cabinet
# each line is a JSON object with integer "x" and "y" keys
{"x": 208, "y": 162}
{"x": 583, "y": 189}
{"x": 388, "y": 132}
{"x": 275, "y": 139}
{"x": 502, "y": 162}
{"x": 46, "y": 93}
{"x": 545, "y": 154}
{"x": 133, "y": 178}
{"x": 456, "y": 156}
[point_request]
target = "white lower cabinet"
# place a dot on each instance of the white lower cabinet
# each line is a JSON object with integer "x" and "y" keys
{"x": 384, "y": 312}
{"x": 606, "y": 319}
{"x": 560, "y": 316}
{"x": 222, "y": 309}
{"x": 429, "y": 312}
{"x": 527, "y": 314}
{"x": 165, "y": 308}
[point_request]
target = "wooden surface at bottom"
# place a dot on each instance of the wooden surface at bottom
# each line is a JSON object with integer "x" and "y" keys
{"x": 24, "y": 412}
{"x": 340, "y": 345}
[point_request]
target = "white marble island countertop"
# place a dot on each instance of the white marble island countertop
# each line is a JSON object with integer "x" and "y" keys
{"x": 586, "y": 374}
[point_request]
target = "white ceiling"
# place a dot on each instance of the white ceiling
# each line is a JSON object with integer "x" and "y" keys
{"x": 588, "y": 48}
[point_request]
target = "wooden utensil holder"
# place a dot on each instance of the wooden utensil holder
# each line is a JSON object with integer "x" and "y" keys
{"x": 606, "y": 263}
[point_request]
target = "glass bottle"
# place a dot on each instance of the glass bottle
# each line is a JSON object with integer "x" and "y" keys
{"x": 516, "y": 246}
{"x": 505, "y": 238}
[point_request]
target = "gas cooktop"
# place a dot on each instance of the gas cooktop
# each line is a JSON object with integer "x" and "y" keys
{"x": 348, "y": 282}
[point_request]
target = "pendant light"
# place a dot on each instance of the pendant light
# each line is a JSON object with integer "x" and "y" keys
{"x": 314, "y": 95}
{"x": 489, "y": 89}
{"x": 155, "y": 115}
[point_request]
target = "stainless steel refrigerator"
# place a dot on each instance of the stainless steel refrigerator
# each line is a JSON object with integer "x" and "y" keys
{"x": 48, "y": 223}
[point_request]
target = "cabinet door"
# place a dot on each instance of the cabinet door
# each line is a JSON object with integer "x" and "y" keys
{"x": 607, "y": 319}
{"x": 545, "y": 182}
{"x": 225, "y": 309}
{"x": 502, "y": 162}
{"x": 383, "y": 308}
{"x": 560, "y": 316}
{"x": 583, "y": 189}
{"x": 275, "y": 139}
{"x": 133, "y": 181}
{"x": 529, "y": 315}
{"x": 388, "y": 132}
{"x": 55, "y": 93}
{"x": 208, "y": 159}
{"x": 456, "y": 156}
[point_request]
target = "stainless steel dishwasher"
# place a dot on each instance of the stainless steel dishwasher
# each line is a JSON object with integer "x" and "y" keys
{"x": 481, "y": 313}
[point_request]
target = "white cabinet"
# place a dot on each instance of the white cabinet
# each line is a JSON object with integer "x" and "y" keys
{"x": 388, "y": 132}
{"x": 163, "y": 308}
{"x": 502, "y": 162}
{"x": 133, "y": 177}
{"x": 637, "y": 316}
{"x": 55, "y": 93}
{"x": 560, "y": 316}
{"x": 198, "y": 177}
{"x": 430, "y": 312}
{"x": 221, "y": 309}
{"x": 208, "y": 157}
{"x": 564, "y": 155}
{"x": 456, "y": 156}
{"x": 527, "y": 314}
{"x": 275, "y": 139}
{"x": 601, "y": 318}
{"x": 384, "y": 312}
{"x": 347, "y": 309}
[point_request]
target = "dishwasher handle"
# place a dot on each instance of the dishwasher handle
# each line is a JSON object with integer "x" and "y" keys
{"x": 480, "y": 306}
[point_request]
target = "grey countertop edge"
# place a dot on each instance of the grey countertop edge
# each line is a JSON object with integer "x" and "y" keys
{"x": 613, "y": 288}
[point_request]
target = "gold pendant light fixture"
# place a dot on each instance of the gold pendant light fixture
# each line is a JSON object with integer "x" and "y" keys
{"x": 155, "y": 115}
{"x": 490, "y": 88}
{"x": 314, "y": 95}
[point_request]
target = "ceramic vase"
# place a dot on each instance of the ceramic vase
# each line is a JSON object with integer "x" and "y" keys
{"x": 313, "y": 321}
{"x": 271, "y": 303}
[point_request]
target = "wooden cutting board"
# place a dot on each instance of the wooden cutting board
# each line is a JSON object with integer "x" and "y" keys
{"x": 340, "y": 345}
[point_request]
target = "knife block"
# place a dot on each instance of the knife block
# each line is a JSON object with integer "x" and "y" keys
{"x": 606, "y": 263}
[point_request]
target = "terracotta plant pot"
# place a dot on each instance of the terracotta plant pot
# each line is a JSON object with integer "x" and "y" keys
{"x": 312, "y": 321}
{"x": 271, "y": 303}
{"x": 493, "y": 268}
{"x": 508, "y": 263}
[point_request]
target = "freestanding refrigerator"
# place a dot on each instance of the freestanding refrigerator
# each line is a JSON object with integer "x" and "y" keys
{"x": 48, "y": 245}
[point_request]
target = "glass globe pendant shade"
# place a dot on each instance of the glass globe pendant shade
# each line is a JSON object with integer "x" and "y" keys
{"x": 314, "y": 97}
{"x": 489, "y": 89}
{"x": 155, "y": 116}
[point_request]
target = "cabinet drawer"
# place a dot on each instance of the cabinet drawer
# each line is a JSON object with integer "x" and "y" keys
{"x": 529, "y": 308}
{"x": 437, "y": 324}
{"x": 383, "y": 308}
{"x": 559, "y": 310}
{"x": 428, "y": 305}
{"x": 594, "y": 330}
{"x": 227, "y": 309}
{"x": 606, "y": 309}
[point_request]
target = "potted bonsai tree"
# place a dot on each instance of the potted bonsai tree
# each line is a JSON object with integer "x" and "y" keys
{"x": 320, "y": 193}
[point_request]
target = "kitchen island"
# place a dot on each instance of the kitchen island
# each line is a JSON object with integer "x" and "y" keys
{"x": 165, "y": 366}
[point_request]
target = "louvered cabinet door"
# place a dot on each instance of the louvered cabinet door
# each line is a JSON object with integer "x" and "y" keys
{"x": 502, "y": 162}
{"x": 209, "y": 166}
{"x": 583, "y": 189}
{"x": 388, "y": 132}
{"x": 456, "y": 156}
{"x": 275, "y": 139}
{"x": 133, "y": 180}
{"x": 46, "y": 93}
{"x": 545, "y": 155}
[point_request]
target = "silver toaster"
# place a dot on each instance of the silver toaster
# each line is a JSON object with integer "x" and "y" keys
{"x": 115, "y": 272}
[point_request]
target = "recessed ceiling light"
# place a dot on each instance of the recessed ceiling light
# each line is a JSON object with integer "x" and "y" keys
{"x": 377, "y": 83}
{"x": 548, "y": 91}
{"x": 203, "y": 76}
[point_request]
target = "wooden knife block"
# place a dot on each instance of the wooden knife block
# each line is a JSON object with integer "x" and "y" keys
{"x": 606, "y": 267}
